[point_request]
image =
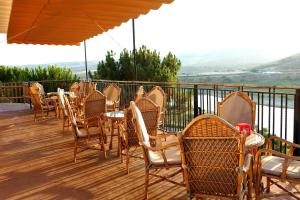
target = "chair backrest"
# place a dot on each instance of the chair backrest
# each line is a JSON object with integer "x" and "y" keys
{"x": 237, "y": 107}
{"x": 213, "y": 155}
{"x": 75, "y": 88}
{"x": 40, "y": 87}
{"x": 112, "y": 92}
{"x": 35, "y": 98}
{"x": 158, "y": 96}
{"x": 150, "y": 113}
{"x": 71, "y": 117}
{"x": 61, "y": 100}
{"x": 139, "y": 93}
{"x": 94, "y": 105}
{"x": 139, "y": 124}
{"x": 83, "y": 88}
{"x": 132, "y": 137}
{"x": 91, "y": 87}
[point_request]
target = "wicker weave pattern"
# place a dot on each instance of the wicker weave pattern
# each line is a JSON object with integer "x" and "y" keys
{"x": 159, "y": 97}
{"x": 112, "y": 92}
{"x": 94, "y": 105}
{"x": 237, "y": 107}
{"x": 213, "y": 151}
{"x": 132, "y": 137}
{"x": 150, "y": 113}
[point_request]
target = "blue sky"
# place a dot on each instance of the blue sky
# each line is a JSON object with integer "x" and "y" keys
{"x": 268, "y": 27}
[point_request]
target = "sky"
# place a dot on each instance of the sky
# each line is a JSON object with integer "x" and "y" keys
{"x": 270, "y": 27}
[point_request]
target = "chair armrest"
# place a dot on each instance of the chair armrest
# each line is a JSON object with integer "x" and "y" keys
{"x": 269, "y": 140}
{"x": 276, "y": 153}
{"x": 160, "y": 148}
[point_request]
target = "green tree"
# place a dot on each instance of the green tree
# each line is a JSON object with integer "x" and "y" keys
{"x": 53, "y": 72}
{"x": 149, "y": 65}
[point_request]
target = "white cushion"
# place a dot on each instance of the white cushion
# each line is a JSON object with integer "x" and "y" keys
{"x": 141, "y": 125}
{"x": 273, "y": 165}
{"x": 172, "y": 154}
{"x": 92, "y": 132}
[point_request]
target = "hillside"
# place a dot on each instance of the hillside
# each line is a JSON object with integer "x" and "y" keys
{"x": 288, "y": 64}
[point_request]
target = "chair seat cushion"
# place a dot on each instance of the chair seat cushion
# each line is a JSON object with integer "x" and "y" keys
{"x": 273, "y": 165}
{"x": 93, "y": 131}
{"x": 172, "y": 154}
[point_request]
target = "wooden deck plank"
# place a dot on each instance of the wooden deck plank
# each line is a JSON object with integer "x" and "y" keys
{"x": 36, "y": 162}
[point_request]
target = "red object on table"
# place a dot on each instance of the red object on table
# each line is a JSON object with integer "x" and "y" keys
{"x": 244, "y": 127}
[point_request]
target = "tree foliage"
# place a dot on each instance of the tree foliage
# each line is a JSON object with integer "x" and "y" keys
{"x": 52, "y": 72}
{"x": 150, "y": 66}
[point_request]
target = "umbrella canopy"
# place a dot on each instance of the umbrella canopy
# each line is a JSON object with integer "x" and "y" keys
{"x": 67, "y": 22}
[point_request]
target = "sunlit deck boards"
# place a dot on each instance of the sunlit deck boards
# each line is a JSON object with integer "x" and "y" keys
{"x": 36, "y": 162}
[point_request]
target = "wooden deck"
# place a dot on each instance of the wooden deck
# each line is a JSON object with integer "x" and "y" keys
{"x": 36, "y": 162}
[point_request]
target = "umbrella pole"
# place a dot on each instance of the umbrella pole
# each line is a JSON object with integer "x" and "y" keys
{"x": 86, "y": 72}
{"x": 134, "y": 50}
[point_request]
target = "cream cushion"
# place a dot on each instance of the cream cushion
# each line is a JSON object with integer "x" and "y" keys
{"x": 83, "y": 132}
{"x": 172, "y": 155}
{"x": 273, "y": 165}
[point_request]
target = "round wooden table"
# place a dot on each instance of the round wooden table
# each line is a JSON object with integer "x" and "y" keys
{"x": 115, "y": 117}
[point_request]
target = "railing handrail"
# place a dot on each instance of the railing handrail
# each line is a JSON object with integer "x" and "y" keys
{"x": 205, "y": 84}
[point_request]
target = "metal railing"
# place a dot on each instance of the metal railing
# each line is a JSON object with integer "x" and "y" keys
{"x": 277, "y": 111}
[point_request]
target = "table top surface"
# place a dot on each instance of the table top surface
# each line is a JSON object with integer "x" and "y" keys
{"x": 254, "y": 140}
{"x": 114, "y": 114}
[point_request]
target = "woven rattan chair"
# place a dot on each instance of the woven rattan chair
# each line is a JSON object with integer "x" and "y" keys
{"x": 237, "y": 107}
{"x": 84, "y": 135}
{"x": 129, "y": 139}
{"x": 93, "y": 109}
{"x": 40, "y": 105}
{"x": 139, "y": 93}
{"x": 213, "y": 159}
{"x": 40, "y": 88}
{"x": 63, "y": 109}
{"x": 163, "y": 156}
{"x": 277, "y": 168}
{"x": 159, "y": 97}
{"x": 150, "y": 113}
{"x": 112, "y": 93}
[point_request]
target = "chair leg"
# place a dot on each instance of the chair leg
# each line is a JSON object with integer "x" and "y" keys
{"x": 146, "y": 183}
{"x": 127, "y": 160}
{"x": 75, "y": 151}
{"x": 64, "y": 121}
{"x": 268, "y": 185}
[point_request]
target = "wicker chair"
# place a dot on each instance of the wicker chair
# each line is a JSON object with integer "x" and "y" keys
{"x": 93, "y": 109}
{"x": 163, "y": 156}
{"x": 213, "y": 159}
{"x": 40, "y": 105}
{"x": 112, "y": 93}
{"x": 277, "y": 167}
{"x": 237, "y": 107}
{"x": 139, "y": 93}
{"x": 150, "y": 113}
{"x": 129, "y": 136}
{"x": 159, "y": 97}
{"x": 63, "y": 109}
{"x": 40, "y": 88}
{"x": 83, "y": 136}
{"x": 129, "y": 139}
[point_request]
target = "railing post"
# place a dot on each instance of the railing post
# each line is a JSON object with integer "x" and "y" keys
{"x": 196, "y": 111}
{"x": 297, "y": 120}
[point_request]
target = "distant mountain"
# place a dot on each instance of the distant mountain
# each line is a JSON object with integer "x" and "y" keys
{"x": 76, "y": 66}
{"x": 223, "y": 60}
{"x": 289, "y": 64}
